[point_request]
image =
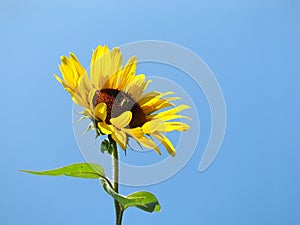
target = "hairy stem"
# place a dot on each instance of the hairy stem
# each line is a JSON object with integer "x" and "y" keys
{"x": 115, "y": 162}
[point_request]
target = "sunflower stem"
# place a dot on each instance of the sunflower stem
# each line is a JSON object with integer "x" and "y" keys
{"x": 115, "y": 161}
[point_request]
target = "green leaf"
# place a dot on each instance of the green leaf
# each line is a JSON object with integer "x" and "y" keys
{"x": 142, "y": 199}
{"x": 82, "y": 170}
{"x": 147, "y": 201}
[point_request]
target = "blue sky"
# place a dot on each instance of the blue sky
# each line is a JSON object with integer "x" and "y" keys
{"x": 253, "y": 49}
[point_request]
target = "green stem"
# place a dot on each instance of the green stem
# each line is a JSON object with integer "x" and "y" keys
{"x": 115, "y": 161}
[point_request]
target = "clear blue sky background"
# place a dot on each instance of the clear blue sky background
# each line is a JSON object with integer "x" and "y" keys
{"x": 253, "y": 47}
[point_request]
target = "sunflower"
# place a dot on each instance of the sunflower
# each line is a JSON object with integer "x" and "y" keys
{"x": 113, "y": 98}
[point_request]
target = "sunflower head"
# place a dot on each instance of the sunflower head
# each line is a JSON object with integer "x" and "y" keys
{"x": 114, "y": 98}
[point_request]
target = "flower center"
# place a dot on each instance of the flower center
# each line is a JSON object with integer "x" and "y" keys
{"x": 118, "y": 102}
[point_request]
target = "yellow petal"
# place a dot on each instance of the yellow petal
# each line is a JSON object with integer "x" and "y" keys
{"x": 148, "y": 143}
{"x": 122, "y": 121}
{"x": 151, "y": 97}
{"x": 137, "y": 86}
{"x": 168, "y": 117}
{"x": 84, "y": 85}
{"x": 111, "y": 81}
{"x": 65, "y": 85}
{"x": 58, "y": 78}
{"x": 135, "y": 132}
{"x": 68, "y": 72}
{"x": 116, "y": 60}
{"x": 78, "y": 100}
{"x": 80, "y": 82}
{"x": 130, "y": 66}
{"x": 128, "y": 72}
{"x": 105, "y": 68}
{"x": 158, "y": 105}
{"x": 72, "y": 71}
{"x": 100, "y": 111}
{"x": 83, "y": 90}
{"x": 120, "y": 137}
{"x": 153, "y": 126}
{"x": 77, "y": 65}
{"x": 166, "y": 142}
{"x": 96, "y": 66}
{"x": 105, "y": 128}
{"x": 113, "y": 63}
{"x": 170, "y": 126}
{"x": 172, "y": 111}
{"x": 91, "y": 98}
{"x": 150, "y": 105}
{"x": 148, "y": 96}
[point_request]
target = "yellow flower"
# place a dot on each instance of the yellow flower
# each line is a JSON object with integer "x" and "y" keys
{"x": 113, "y": 98}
